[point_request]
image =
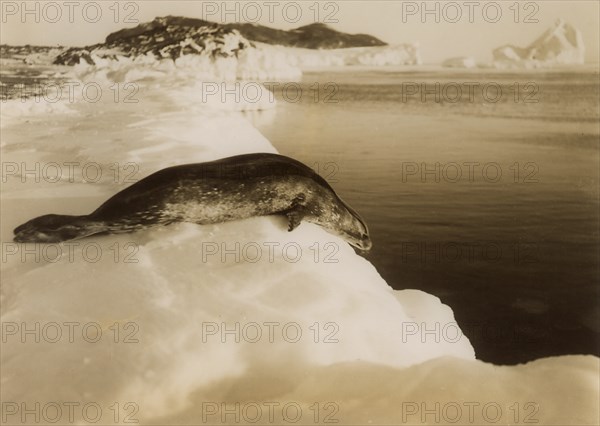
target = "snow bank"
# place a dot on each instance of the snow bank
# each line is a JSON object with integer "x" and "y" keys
{"x": 298, "y": 309}
{"x": 250, "y": 65}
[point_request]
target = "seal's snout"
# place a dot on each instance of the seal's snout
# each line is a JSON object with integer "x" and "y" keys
{"x": 43, "y": 229}
{"x": 19, "y": 238}
{"x": 19, "y": 229}
{"x": 363, "y": 243}
{"x": 367, "y": 243}
{"x": 22, "y": 233}
{"x": 26, "y": 234}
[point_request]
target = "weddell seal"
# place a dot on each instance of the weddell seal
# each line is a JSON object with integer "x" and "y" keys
{"x": 219, "y": 191}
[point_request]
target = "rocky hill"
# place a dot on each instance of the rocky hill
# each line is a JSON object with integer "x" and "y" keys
{"x": 173, "y": 36}
{"x": 161, "y": 38}
{"x": 313, "y": 36}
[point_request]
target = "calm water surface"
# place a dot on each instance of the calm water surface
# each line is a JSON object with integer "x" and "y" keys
{"x": 491, "y": 205}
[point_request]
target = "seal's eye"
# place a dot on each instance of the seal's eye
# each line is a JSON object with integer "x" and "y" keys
{"x": 50, "y": 224}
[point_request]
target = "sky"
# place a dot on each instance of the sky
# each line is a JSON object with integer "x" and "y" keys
{"x": 443, "y": 29}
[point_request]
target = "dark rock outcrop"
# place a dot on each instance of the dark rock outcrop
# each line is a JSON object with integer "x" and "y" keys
{"x": 162, "y": 38}
{"x": 314, "y": 36}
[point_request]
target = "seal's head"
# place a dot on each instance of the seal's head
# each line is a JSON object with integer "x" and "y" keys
{"x": 51, "y": 228}
{"x": 357, "y": 234}
{"x": 354, "y": 229}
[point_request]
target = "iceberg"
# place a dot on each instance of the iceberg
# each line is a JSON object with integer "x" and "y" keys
{"x": 460, "y": 62}
{"x": 561, "y": 44}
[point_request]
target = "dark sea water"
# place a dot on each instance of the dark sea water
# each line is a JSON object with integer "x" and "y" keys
{"x": 488, "y": 200}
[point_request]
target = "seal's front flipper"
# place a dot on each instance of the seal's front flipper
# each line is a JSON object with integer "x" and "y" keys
{"x": 296, "y": 213}
{"x": 294, "y": 219}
